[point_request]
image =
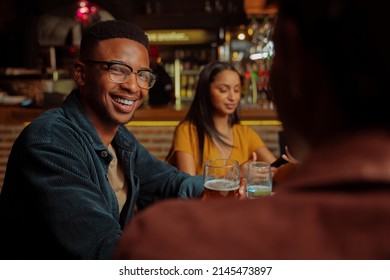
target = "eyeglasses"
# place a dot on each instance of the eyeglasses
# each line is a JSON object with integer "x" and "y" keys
{"x": 119, "y": 72}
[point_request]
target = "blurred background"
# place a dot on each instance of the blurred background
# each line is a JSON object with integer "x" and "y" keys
{"x": 41, "y": 37}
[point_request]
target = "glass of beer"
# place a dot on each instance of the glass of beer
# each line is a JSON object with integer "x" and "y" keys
{"x": 221, "y": 178}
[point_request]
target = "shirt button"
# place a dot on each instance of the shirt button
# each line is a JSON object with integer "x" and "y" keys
{"x": 103, "y": 154}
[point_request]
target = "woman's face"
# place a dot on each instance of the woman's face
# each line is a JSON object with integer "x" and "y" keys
{"x": 225, "y": 92}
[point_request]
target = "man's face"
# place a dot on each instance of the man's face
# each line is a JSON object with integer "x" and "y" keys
{"x": 107, "y": 103}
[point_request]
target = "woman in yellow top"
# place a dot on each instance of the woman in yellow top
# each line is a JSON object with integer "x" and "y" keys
{"x": 211, "y": 128}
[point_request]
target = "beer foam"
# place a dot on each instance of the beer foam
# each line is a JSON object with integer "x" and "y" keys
{"x": 222, "y": 185}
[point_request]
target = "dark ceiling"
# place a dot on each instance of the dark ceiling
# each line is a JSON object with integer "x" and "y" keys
{"x": 123, "y": 9}
{"x": 119, "y": 8}
{"x": 18, "y": 20}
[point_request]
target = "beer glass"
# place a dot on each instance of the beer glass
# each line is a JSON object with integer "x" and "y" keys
{"x": 221, "y": 178}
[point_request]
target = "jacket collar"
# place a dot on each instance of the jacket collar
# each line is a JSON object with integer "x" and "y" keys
{"x": 76, "y": 114}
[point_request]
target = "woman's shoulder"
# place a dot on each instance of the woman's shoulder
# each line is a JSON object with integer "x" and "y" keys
{"x": 186, "y": 125}
{"x": 184, "y": 130}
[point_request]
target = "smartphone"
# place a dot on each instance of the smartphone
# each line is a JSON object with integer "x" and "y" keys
{"x": 280, "y": 161}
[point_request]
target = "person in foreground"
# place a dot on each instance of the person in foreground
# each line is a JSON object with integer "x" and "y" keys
{"x": 76, "y": 175}
{"x": 333, "y": 106}
{"x": 211, "y": 128}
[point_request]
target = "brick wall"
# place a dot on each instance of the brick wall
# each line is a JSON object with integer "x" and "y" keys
{"x": 8, "y": 134}
{"x": 156, "y": 139}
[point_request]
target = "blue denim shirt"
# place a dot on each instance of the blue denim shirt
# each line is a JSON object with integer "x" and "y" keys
{"x": 56, "y": 200}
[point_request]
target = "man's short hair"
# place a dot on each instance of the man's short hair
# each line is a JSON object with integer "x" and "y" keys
{"x": 110, "y": 29}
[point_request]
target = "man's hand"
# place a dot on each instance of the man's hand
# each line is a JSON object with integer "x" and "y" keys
{"x": 242, "y": 189}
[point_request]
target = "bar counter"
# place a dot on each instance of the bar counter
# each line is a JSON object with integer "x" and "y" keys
{"x": 18, "y": 115}
{"x": 153, "y": 127}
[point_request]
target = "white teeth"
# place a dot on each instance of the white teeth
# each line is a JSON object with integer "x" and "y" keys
{"x": 124, "y": 101}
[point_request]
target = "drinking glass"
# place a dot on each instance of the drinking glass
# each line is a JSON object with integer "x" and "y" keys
{"x": 259, "y": 179}
{"x": 221, "y": 178}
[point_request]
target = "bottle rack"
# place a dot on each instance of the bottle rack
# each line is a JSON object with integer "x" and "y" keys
{"x": 184, "y": 65}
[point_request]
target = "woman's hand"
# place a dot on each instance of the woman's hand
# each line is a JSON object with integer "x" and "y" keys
{"x": 288, "y": 157}
{"x": 286, "y": 170}
{"x": 244, "y": 166}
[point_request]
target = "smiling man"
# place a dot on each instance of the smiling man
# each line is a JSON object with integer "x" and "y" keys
{"x": 76, "y": 174}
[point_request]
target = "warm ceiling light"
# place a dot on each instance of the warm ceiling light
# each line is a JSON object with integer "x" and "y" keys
{"x": 241, "y": 36}
{"x": 85, "y": 11}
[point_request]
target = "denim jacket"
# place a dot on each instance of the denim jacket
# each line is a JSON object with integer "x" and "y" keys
{"x": 56, "y": 200}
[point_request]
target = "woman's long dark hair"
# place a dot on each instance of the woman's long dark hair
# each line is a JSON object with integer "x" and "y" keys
{"x": 201, "y": 110}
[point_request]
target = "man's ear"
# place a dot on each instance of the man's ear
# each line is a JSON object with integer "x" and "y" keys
{"x": 79, "y": 74}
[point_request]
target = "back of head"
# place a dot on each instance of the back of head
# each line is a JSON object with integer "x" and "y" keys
{"x": 110, "y": 29}
{"x": 348, "y": 37}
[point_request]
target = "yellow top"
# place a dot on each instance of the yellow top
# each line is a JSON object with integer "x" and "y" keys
{"x": 245, "y": 142}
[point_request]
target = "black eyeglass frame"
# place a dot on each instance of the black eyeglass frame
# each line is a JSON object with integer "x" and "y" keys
{"x": 111, "y": 63}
